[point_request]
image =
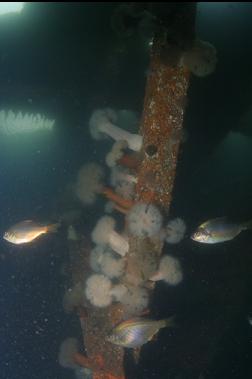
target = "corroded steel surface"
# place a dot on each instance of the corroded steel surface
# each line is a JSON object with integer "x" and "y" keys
{"x": 162, "y": 131}
{"x": 104, "y": 359}
{"x": 161, "y": 128}
{"x": 96, "y": 327}
{"x": 162, "y": 120}
{"x": 141, "y": 260}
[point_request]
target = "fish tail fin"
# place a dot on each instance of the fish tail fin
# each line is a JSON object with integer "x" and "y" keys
{"x": 53, "y": 228}
{"x": 169, "y": 322}
{"x": 247, "y": 225}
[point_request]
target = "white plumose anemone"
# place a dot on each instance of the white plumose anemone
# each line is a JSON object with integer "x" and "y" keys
{"x": 11, "y": 123}
{"x": 111, "y": 266}
{"x": 126, "y": 190}
{"x": 169, "y": 270}
{"x": 89, "y": 183}
{"x": 123, "y": 182}
{"x": 102, "y": 122}
{"x": 144, "y": 220}
{"x": 116, "y": 153}
{"x": 98, "y": 289}
{"x": 121, "y": 174}
{"x": 201, "y": 59}
{"x": 104, "y": 260}
{"x": 98, "y": 118}
{"x": 118, "y": 292}
{"x": 95, "y": 258}
{"x": 175, "y": 231}
{"x": 104, "y": 234}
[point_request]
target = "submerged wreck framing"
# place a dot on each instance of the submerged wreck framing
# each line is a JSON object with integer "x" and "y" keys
{"x": 162, "y": 131}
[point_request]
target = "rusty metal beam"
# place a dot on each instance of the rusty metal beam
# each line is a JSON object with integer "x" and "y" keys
{"x": 162, "y": 122}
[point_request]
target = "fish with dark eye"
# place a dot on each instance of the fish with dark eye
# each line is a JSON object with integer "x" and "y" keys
{"x": 26, "y": 231}
{"x": 137, "y": 331}
{"x": 219, "y": 230}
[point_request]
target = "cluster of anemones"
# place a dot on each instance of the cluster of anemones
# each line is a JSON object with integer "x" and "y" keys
{"x": 109, "y": 256}
{"x": 109, "y": 281}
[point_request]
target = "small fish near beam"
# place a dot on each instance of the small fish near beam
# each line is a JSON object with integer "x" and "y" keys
{"x": 137, "y": 331}
{"x": 219, "y": 230}
{"x": 26, "y": 231}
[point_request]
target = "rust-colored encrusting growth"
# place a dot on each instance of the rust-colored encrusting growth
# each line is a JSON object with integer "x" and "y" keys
{"x": 162, "y": 120}
{"x": 104, "y": 359}
{"x": 97, "y": 326}
{"x": 162, "y": 132}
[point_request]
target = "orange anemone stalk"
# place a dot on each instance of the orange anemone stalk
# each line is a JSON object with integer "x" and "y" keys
{"x": 83, "y": 361}
{"x": 122, "y": 203}
{"x": 130, "y": 161}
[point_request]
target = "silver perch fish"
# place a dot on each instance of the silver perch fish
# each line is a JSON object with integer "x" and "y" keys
{"x": 137, "y": 331}
{"x": 219, "y": 230}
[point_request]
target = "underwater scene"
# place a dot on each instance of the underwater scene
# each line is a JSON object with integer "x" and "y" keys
{"x": 126, "y": 190}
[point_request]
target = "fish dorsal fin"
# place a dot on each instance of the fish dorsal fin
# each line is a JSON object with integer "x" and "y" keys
{"x": 24, "y": 222}
{"x": 222, "y": 218}
{"x": 128, "y": 323}
{"x": 216, "y": 219}
{"x": 124, "y": 324}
